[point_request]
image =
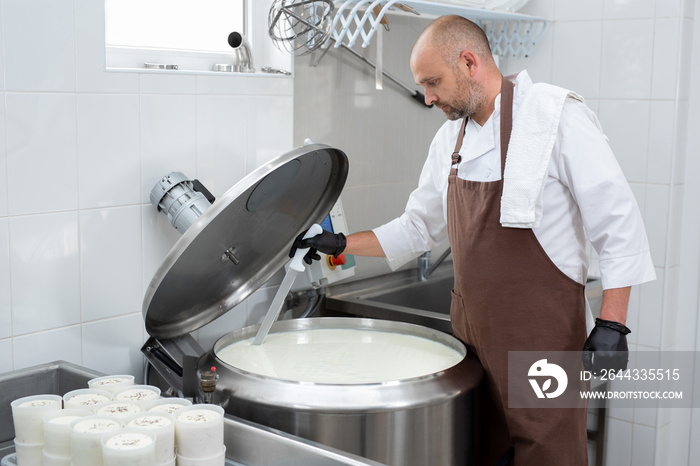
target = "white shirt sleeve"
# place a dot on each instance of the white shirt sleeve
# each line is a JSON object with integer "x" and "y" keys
{"x": 422, "y": 225}
{"x": 611, "y": 217}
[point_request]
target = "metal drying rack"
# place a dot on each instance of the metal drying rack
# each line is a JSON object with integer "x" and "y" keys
{"x": 510, "y": 34}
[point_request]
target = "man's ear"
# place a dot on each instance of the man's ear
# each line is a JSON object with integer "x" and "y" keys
{"x": 468, "y": 60}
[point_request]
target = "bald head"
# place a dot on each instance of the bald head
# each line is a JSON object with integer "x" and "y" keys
{"x": 452, "y": 34}
{"x": 452, "y": 61}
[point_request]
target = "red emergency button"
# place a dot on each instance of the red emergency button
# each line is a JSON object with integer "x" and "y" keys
{"x": 335, "y": 261}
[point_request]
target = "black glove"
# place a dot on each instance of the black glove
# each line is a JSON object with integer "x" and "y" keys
{"x": 326, "y": 242}
{"x": 606, "y": 347}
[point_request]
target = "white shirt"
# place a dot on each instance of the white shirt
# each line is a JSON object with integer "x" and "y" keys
{"x": 586, "y": 196}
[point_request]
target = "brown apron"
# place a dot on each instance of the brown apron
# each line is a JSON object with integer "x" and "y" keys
{"x": 509, "y": 296}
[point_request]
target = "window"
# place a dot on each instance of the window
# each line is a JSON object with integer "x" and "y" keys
{"x": 192, "y": 34}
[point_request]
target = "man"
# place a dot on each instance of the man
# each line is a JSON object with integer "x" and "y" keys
{"x": 516, "y": 288}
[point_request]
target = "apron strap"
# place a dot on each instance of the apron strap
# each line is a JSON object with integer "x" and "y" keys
{"x": 506, "y": 119}
{"x": 456, "y": 158}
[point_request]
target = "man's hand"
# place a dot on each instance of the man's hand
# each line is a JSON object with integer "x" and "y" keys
{"x": 606, "y": 347}
{"x": 326, "y": 242}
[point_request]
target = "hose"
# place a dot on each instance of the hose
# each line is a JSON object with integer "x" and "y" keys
{"x": 312, "y": 304}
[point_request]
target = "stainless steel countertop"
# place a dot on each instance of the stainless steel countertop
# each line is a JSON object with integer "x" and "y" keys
{"x": 246, "y": 443}
{"x": 403, "y": 297}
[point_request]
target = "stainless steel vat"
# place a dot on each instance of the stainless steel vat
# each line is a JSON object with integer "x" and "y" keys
{"x": 232, "y": 249}
{"x": 418, "y": 421}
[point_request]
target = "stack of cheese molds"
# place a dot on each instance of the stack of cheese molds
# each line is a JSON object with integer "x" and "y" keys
{"x": 114, "y": 422}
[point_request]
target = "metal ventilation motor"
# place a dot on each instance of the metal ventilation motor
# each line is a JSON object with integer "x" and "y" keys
{"x": 182, "y": 200}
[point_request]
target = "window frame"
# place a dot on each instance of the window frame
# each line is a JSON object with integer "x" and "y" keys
{"x": 134, "y": 59}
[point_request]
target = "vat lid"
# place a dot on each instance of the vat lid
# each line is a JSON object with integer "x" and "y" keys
{"x": 242, "y": 240}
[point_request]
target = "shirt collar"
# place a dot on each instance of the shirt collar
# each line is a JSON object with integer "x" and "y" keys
{"x": 523, "y": 83}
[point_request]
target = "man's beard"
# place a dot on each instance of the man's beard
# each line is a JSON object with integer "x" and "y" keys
{"x": 474, "y": 98}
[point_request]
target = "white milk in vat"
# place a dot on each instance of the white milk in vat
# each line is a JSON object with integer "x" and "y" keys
{"x": 341, "y": 356}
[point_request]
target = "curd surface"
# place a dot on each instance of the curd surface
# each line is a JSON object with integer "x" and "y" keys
{"x": 341, "y": 356}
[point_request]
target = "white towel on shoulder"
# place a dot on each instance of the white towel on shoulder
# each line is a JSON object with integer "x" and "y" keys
{"x": 531, "y": 142}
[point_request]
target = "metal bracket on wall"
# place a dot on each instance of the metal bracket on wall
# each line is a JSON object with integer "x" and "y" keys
{"x": 416, "y": 95}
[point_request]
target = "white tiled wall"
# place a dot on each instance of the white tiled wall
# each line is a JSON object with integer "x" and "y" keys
{"x": 688, "y": 323}
{"x": 80, "y": 149}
